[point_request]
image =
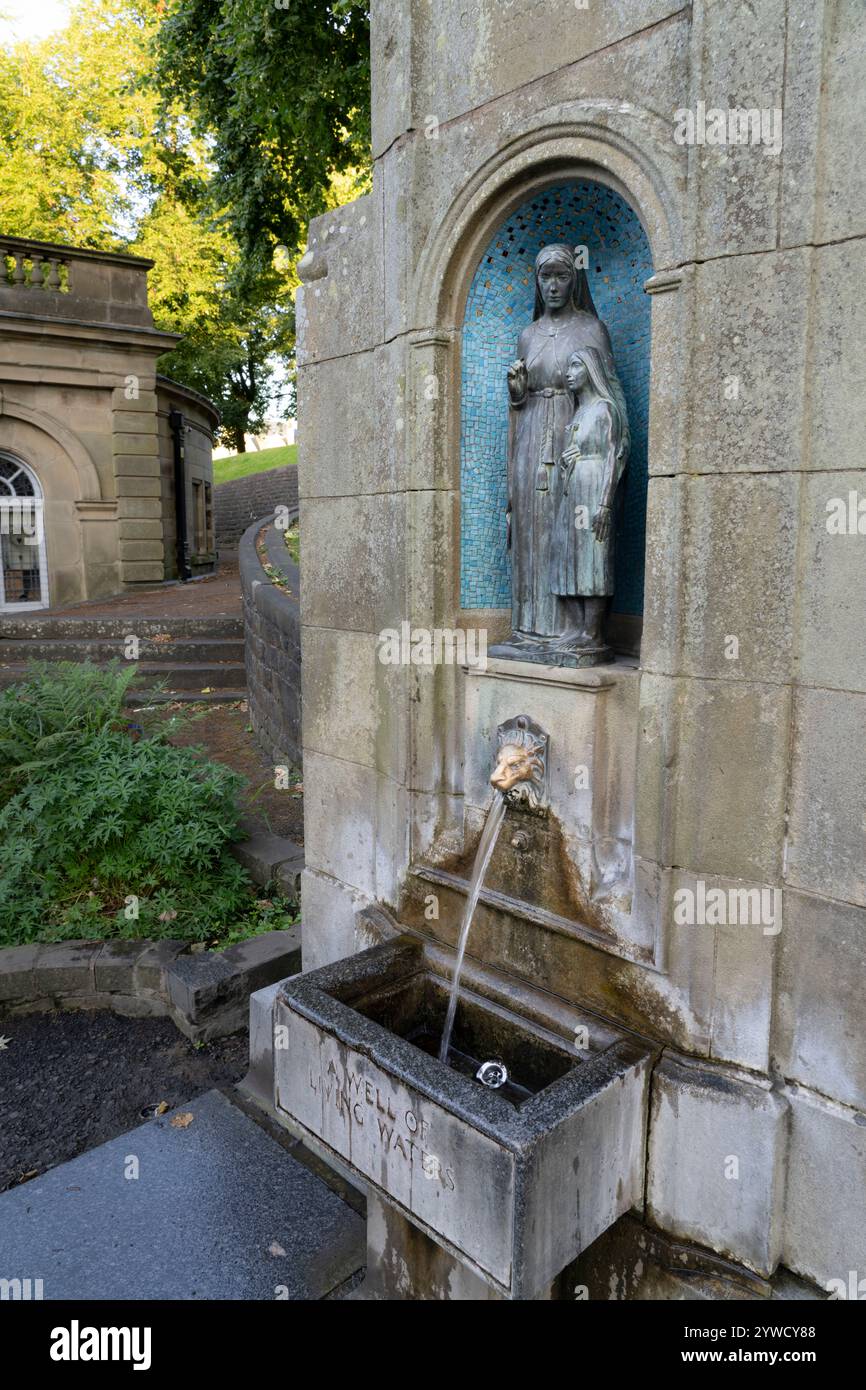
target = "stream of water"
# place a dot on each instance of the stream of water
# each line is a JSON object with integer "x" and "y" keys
{"x": 482, "y": 859}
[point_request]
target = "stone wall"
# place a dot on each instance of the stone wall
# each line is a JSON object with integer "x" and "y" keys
{"x": 272, "y": 634}
{"x": 80, "y": 407}
{"x": 241, "y": 502}
{"x": 746, "y": 761}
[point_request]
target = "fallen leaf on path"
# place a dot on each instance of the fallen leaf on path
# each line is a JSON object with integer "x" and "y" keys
{"x": 182, "y": 1121}
{"x": 161, "y": 1108}
{"x": 275, "y": 1249}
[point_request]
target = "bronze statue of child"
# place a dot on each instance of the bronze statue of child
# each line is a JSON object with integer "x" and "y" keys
{"x": 590, "y": 470}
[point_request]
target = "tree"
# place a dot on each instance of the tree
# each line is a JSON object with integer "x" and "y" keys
{"x": 91, "y": 154}
{"x": 283, "y": 91}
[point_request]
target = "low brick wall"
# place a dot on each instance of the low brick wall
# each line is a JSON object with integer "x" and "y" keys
{"x": 272, "y": 638}
{"x": 238, "y": 504}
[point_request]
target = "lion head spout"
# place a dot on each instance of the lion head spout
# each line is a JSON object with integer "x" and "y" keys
{"x": 521, "y": 760}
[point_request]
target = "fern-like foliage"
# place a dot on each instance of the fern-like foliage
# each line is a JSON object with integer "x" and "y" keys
{"x": 104, "y": 832}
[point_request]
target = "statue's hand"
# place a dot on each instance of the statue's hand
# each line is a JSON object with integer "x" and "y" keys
{"x": 518, "y": 380}
{"x": 601, "y": 523}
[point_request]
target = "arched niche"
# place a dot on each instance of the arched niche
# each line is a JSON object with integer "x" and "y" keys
{"x": 580, "y": 212}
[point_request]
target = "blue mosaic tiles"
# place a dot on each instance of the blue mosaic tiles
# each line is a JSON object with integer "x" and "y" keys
{"x": 500, "y": 304}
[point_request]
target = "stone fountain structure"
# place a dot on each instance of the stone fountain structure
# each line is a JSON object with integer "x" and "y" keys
{"x": 686, "y": 1109}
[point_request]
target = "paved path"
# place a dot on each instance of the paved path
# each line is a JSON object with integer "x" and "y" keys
{"x": 215, "y": 596}
{"x": 219, "y": 1210}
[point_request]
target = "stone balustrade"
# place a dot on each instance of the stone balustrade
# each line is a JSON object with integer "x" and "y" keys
{"x": 30, "y": 267}
{"x": 64, "y": 282}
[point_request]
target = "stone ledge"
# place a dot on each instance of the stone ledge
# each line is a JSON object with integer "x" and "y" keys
{"x": 205, "y": 993}
{"x": 271, "y": 858}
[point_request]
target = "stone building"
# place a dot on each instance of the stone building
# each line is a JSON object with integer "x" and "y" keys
{"x": 724, "y": 747}
{"x": 92, "y": 441}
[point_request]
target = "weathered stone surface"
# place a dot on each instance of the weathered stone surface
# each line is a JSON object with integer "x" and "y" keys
{"x": 339, "y": 679}
{"x": 841, "y": 197}
{"x": 740, "y": 542}
{"x": 496, "y": 1183}
{"x": 330, "y": 910}
{"x": 832, "y": 581}
{"x": 731, "y": 779}
{"x": 66, "y": 968}
{"x": 115, "y": 965}
{"x": 716, "y": 1160}
{"x": 339, "y": 304}
{"x": 837, "y": 375}
{"x": 354, "y": 562}
{"x": 665, "y": 557}
{"x": 263, "y": 854}
{"x": 200, "y": 984}
{"x": 738, "y": 64}
{"x": 818, "y": 1035}
{"x": 749, "y": 337}
{"x": 272, "y": 631}
{"x": 339, "y": 831}
{"x": 17, "y": 978}
{"x": 825, "y": 827}
{"x": 825, "y": 1202}
{"x": 152, "y": 964}
{"x": 466, "y": 57}
{"x": 265, "y": 958}
{"x": 259, "y": 1080}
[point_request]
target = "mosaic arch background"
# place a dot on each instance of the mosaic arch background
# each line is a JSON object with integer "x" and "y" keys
{"x": 500, "y": 304}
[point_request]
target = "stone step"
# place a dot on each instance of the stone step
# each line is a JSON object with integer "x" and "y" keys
{"x": 141, "y": 698}
{"x": 102, "y": 650}
{"x": 216, "y": 1209}
{"x": 53, "y": 628}
{"x": 192, "y": 676}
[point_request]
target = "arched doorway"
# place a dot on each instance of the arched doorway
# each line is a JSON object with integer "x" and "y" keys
{"x": 23, "y": 567}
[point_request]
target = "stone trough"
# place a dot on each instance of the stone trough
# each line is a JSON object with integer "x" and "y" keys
{"x": 506, "y": 1187}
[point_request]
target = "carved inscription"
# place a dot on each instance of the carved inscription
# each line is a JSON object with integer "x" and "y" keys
{"x": 398, "y": 1130}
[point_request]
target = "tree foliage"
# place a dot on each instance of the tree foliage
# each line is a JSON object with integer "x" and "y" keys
{"x": 283, "y": 89}
{"x": 92, "y": 154}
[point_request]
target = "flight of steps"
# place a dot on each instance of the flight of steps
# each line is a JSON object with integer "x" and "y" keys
{"x": 196, "y": 659}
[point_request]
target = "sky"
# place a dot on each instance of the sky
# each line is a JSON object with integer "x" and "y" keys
{"x": 31, "y": 19}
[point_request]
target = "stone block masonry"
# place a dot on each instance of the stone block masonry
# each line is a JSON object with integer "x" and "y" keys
{"x": 239, "y": 503}
{"x": 272, "y": 632}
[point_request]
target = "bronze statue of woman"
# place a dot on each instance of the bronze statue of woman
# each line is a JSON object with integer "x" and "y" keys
{"x": 541, "y": 409}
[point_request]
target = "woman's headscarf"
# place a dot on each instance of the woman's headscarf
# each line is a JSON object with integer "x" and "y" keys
{"x": 566, "y": 256}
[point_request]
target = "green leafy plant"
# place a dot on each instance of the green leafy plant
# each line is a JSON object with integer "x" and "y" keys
{"x": 107, "y": 828}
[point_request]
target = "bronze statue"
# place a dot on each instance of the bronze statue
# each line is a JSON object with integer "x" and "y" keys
{"x": 562, "y": 569}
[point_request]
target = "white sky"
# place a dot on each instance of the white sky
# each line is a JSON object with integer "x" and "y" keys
{"x": 31, "y": 19}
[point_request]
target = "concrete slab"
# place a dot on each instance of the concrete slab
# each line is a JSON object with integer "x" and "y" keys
{"x": 212, "y": 1207}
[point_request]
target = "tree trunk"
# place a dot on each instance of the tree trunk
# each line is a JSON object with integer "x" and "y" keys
{"x": 240, "y": 440}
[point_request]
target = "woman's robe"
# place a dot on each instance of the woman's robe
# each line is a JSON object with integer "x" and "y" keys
{"x": 538, "y": 425}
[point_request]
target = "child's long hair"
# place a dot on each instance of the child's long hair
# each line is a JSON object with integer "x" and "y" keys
{"x": 608, "y": 386}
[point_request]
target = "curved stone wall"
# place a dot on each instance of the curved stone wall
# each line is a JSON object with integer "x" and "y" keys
{"x": 272, "y": 638}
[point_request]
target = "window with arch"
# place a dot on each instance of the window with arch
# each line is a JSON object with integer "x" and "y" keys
{"x": 23, "y": 570}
